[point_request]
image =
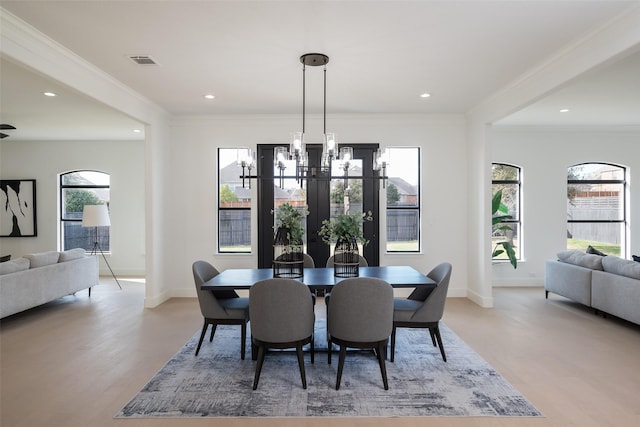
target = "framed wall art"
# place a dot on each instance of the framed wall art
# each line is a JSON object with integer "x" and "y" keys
{"x": 18, "y": 212}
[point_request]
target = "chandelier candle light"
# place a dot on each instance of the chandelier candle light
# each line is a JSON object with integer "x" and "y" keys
{"x": 297, "y": 148}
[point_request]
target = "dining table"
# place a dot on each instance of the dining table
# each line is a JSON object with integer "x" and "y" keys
{"x": 398, "y": 276}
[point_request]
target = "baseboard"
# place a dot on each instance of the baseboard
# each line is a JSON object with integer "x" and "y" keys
{"x": 485, "y": 302}
{"x": 517, "y": 282}
{"x": 157, "y": 300}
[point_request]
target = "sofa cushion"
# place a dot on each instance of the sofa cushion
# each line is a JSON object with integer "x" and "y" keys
{"x": 71, "y": 254}
{"x": 582, "y": 259}
{"x": 621, "y": 267}
{"x": 13, "y": 266}
{"x": 43, "y": 258}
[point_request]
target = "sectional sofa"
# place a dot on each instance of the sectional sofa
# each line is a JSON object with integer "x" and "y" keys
{"x": 36, "y": 279}
{"x": 607, "y": 283}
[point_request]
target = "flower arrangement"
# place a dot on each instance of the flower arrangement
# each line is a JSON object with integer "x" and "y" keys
{"x": 345, "y": 227}
{"x": 290, "y": 219}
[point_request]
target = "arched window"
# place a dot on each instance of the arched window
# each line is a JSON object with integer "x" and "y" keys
{"x": 596, "y": 208}
{"x": 508, "y": 179}
{"x": 77, "y": 189}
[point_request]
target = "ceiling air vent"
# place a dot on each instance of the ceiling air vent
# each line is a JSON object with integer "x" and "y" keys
{"x": 143, "y": 60}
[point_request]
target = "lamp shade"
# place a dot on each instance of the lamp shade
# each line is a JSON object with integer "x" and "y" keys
{"x": 95, "y": 216}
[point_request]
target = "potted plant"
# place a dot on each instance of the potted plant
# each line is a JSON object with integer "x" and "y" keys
{"x": 288, "y": 241}
{"x": 346, "y": 231}
{"x": 499, "y": 214}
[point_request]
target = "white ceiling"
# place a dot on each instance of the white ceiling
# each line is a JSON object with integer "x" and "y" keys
{"x": 383, "y": 55}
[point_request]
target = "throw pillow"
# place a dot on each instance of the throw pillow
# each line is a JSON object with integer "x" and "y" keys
{"x": 621, "y": 267}
{"x": 581, "y": 259}
{"x": 71, "y": 254}
{"x": 5, "y": 258}
{"x": 594, "y": 251}
{"x": 43, "y": 258}
{"x": 18, "y": 264}
{"x": 636, "y": 257}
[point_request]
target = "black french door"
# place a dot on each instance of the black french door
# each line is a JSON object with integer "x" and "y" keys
{"x": 317, "y": 192}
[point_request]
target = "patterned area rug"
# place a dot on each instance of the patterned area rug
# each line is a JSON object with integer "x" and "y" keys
{"x": 218, "y": 384}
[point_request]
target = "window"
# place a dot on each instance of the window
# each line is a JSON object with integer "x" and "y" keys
{"x": 596, "y": 207}
{"x": 234, "y": 204}
{"x": 403, "y": 199}
{"x": 77, "y": 189}
{"x": 508, "y": 179}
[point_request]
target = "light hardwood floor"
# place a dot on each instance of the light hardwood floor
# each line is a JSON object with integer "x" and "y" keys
{"x": 77, "y": 361}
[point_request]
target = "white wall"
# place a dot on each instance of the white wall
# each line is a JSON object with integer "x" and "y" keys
{"x": 544, "y": 155}
{"x": 192, "y": 194}
{"x": 45, "y": 160}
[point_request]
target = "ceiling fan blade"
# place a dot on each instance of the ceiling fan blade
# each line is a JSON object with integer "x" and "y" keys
{"x": 4, "y": 126}
{"x": 3, "y": 135}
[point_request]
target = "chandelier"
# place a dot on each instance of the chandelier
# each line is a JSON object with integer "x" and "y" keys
{"x": 297, "y": 148}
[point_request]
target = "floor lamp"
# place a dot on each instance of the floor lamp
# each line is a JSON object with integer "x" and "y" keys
{"x": 97, "y": 216}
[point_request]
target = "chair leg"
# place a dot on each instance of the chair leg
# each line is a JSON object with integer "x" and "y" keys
{"x": 393, "y": 343}
{"x": 301, "y": 365}
{"x": 343, "y": 353}
{"x": 254, "y": 349}
{"x": 256, "y": 378}
{"x": 243, "y": 339}
{"x": 312, "y": 349}
{"x": 204, "y": 331}
{"x": 433, "y": 337}
{"x": 439, "y": 338}
{"x": 213, "y": 331}
{"x": 329, "y": 346}
{"x": 381, "y": 358}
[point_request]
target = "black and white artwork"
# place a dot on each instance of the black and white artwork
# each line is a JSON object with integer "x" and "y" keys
{"x": 18, "y": 213}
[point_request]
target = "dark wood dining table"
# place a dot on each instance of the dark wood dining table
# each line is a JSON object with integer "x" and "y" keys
{"x": 319, "y": 278}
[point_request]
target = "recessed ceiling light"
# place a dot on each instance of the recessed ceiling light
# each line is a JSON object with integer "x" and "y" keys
{"x": 425, "y": 95}
{"x": 48, "y": 94}
{"x": 564, "y": 110}
{"x": 137, "y": 131}
{"x": 209, "y": 96}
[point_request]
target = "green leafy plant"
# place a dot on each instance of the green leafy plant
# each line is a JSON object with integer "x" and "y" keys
{"x": 499, "y": 214}
{"x": 345, "y": 227}
{"x": 290, "y": 219}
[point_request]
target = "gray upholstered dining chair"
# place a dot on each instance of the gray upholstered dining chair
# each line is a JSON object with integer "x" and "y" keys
{"x": 362, "y": 262}
{"x": 219, "y": 307}
{"x": 308, "y": 261}
{"x": 360, "y": 316}
{"x": 282, "y": 317}
{"x": 423, "y": 308}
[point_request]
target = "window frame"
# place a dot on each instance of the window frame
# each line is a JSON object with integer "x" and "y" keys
{"x": 220, "y": 208}
{"x": 61, "y": 213}
{"x": 415, "y": 208}
{"x": 518, "y": 222}
{"x": 623, "y": 194}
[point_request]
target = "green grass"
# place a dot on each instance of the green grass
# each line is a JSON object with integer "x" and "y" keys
{"x": 581, "y": 245}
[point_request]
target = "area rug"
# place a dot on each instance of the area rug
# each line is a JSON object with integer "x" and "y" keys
{"x": 217, "y": 383}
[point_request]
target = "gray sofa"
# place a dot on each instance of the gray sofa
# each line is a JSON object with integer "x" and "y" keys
{"x": 36, "y": 279}
{"x": 608, "y": 284}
